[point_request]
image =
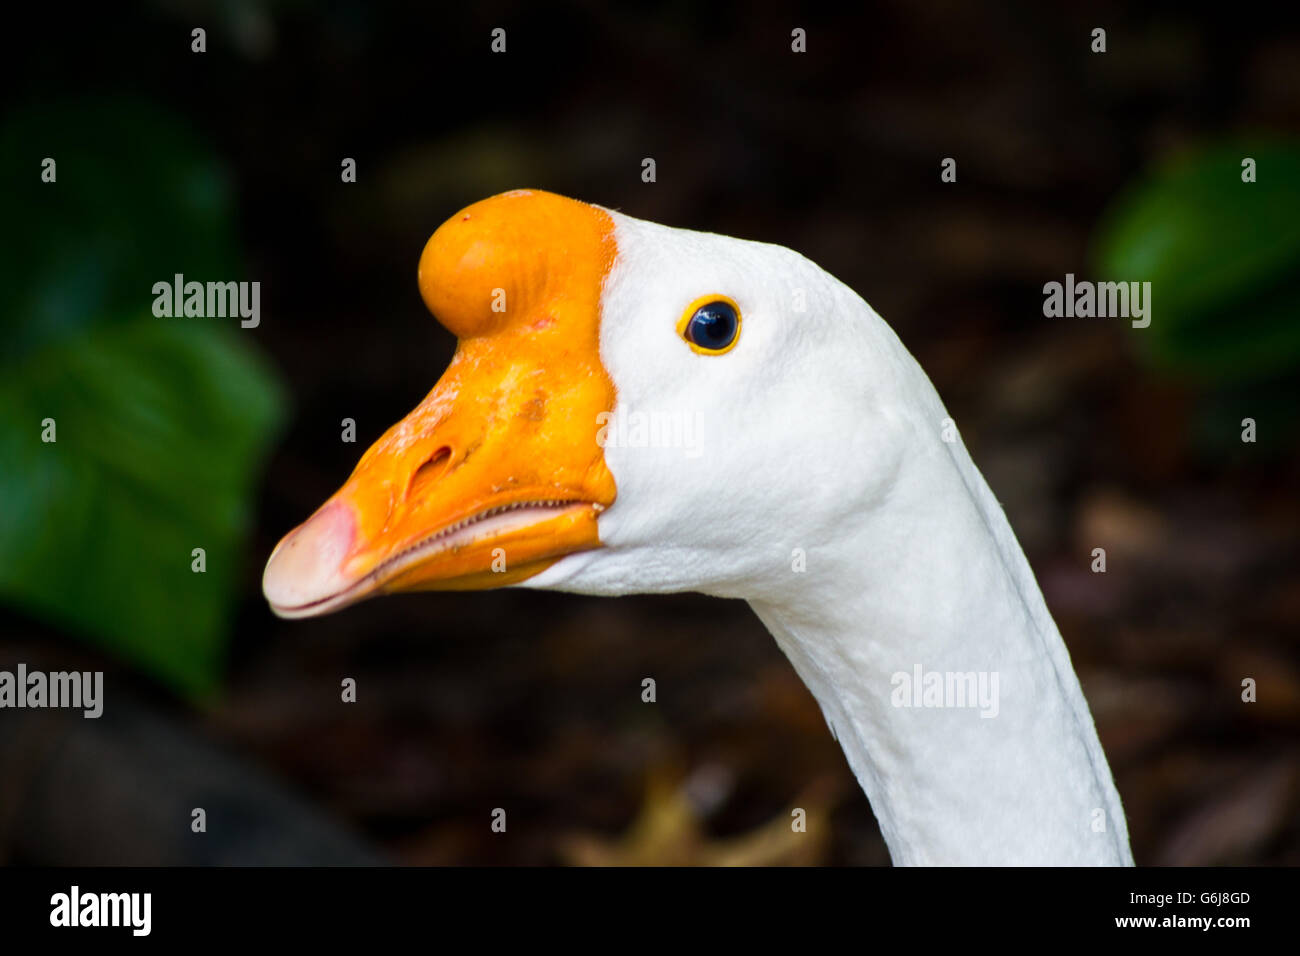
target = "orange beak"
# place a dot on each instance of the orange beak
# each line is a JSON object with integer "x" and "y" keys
{"x": 497, "y": 474}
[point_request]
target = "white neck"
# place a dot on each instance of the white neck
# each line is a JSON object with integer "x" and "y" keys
{"x": 909, "y": 559}
{"x": 936, "y": 580}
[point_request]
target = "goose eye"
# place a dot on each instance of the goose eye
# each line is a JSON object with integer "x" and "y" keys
{"x": 711, "y": 325}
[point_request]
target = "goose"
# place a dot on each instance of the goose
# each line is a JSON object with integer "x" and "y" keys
{"x": 822, "y": 483}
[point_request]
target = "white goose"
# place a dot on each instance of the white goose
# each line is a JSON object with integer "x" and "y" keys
{"x": 820, "y": 488}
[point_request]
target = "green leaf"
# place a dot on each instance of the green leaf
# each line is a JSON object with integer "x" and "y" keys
{"x": 161, "y": 428}
{"x": 1221, "y": 256}
{"x": 161, "y": 423}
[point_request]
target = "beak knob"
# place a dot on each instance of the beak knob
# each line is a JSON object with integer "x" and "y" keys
{"x": 505, "y": 258}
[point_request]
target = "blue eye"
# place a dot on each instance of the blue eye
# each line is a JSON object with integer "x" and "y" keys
{"x": 711, "y": 327}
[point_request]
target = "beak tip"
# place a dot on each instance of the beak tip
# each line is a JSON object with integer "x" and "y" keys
{"x": 307, "y": 566}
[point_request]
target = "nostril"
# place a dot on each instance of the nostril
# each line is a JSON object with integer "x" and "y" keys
{"x": 429, "y": 472}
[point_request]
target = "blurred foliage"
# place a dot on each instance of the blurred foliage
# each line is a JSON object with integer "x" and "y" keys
{"x": 136, "y": 200}
{"x": 1221, "y": 255}
{"x": 161, "y": 422}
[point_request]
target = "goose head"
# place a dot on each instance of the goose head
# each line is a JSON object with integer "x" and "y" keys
{"x": 630, "y": 408}
{"x": 635, "y": 408}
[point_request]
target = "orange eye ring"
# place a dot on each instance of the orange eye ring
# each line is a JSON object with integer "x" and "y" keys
{"x": 710, "y": 325}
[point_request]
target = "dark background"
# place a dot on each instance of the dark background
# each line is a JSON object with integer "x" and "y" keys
{"x": 530, "y": 701}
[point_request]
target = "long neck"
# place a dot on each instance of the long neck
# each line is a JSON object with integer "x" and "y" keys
{"x": 925, "y": 639}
